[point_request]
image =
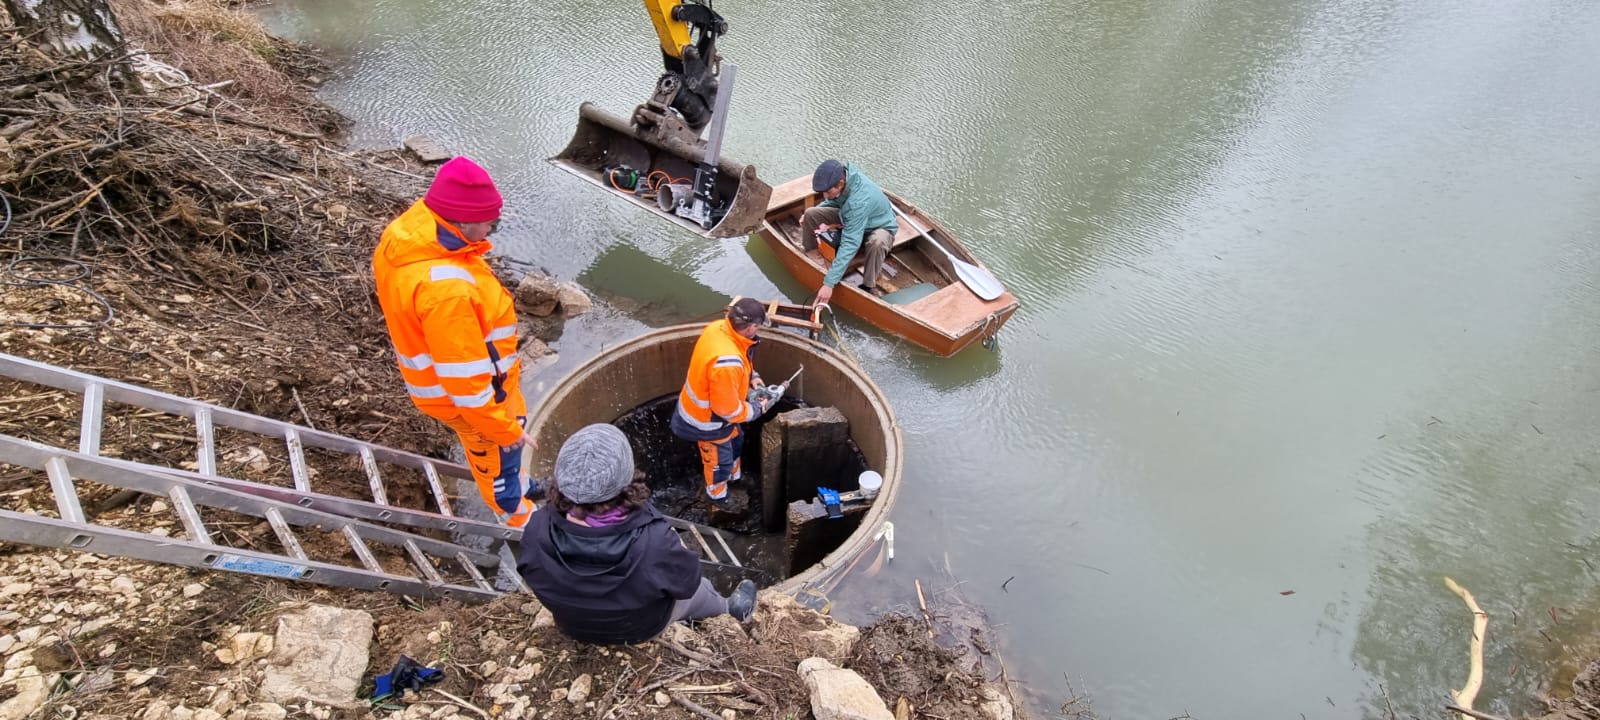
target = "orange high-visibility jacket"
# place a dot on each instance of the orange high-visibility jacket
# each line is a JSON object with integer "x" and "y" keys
{"x": 453, "y": 325}
{"x": 713, "y": 394}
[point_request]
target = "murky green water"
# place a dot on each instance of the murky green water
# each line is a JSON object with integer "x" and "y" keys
{"x": 1309, "y": 304}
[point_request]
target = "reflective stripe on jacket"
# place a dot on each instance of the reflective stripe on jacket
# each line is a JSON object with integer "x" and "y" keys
{"x": 713, "y": 394}
{"x": 454, "y": 327}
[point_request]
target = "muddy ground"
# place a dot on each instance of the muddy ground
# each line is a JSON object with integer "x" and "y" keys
{"x": 208, "y": 236}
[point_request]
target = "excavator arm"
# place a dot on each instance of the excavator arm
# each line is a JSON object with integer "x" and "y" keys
{"x": 688, "y": 32}
{"x": 657, "y": 158}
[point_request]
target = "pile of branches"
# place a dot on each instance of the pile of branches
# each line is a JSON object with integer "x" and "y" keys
{"x": 87, "y": 163}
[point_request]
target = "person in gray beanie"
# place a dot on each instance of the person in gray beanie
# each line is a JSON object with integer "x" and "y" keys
{"x": 604, "y": 560}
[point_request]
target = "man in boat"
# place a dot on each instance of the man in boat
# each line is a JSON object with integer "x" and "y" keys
{"x": 604, "y": 560}
{"x": 454, "y": 328}
{"x": 856, "y": 207}
{"x": 716, "y": 395}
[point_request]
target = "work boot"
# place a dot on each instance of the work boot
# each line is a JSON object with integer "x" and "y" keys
{"x": 873, "y": 290}
{"x": 742, "y": 603}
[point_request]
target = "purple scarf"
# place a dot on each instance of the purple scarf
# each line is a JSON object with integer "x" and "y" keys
{"x": 614, "y": 516}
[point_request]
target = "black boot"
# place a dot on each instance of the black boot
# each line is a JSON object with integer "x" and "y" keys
{"x": 742, "y": 603}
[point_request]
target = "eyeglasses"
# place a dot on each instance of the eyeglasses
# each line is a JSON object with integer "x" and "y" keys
{"x": 494, "y": 225}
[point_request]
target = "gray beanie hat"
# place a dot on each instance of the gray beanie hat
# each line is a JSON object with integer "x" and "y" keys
{"x": 594, "y": 464}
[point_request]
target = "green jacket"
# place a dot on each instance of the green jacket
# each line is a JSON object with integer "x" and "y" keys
{"x": 862, "y": 207}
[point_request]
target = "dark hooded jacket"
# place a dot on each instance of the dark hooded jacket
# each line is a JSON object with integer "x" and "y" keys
{"x": 609, "y": 585}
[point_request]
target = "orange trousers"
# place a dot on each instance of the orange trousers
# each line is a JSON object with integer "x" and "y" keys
{"x": 719, "y": 459}
{"x": 496, "y": 470}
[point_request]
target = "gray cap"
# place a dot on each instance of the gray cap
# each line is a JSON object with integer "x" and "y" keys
{"x": 828, "y": 174}
{"x": 594, "y": 464}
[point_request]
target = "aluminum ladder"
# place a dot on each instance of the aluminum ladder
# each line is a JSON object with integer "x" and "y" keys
{"x": 73, "y": 529}
{"x": 97, "y": 391}
{"x": 326, "y": 510}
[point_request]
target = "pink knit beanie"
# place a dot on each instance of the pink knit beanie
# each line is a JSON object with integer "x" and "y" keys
{"x": 463, "y": 192}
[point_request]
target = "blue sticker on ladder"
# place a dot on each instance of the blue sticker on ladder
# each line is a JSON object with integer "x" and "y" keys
{"x": 257, "y": 566}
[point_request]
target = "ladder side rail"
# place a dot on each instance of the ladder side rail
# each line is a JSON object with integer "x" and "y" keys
{"x": 51, "y": 532}
{"x": 349, "y": 507}
{"x": 144, "y": 479}
{"x": 50, "y": 375}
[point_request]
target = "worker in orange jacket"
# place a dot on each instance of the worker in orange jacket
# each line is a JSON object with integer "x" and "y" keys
{"x": 716, "y": 397}
{"x": 454, "y": 327}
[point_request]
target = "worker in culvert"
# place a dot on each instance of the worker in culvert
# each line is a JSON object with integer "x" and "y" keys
{"x": 604, "y": 560}
{"x": 716, "y": 395}
{"x": 454, "y": 327}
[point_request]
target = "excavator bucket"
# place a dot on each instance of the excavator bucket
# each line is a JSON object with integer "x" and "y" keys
{"x": 653, "y": 166}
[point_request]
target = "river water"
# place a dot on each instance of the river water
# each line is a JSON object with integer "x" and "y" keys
{"x": 1308, "y": 306}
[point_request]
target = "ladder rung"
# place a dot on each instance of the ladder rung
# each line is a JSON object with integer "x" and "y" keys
{"x": 731, "y": 557}
{"x": 285, "y": 534}
{"x": 421, "y": 561}
{"x": 190, "y": 515}
{"x": 472, "y": 572}
{"x": 94, "y": 410}
{"x": 437, "y": 487}
{"x": 702, "y": 540}
{"x": 363, "y": 552}
{"x": 297, "y": 460}
{"x": 66, "y": 493}
{"x": 205, "y": 436}
{"x": 370, "y": 464}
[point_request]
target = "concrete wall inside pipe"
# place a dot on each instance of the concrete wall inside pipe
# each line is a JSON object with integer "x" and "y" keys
{"x": 652, "y": 365}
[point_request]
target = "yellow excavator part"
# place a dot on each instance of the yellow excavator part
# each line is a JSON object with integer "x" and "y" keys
{"x": 674, "y": 34}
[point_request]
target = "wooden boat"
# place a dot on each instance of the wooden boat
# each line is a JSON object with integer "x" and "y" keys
{"x": 927, "y": 297}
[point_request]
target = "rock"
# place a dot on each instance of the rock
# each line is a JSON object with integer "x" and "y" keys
{"x": 995, "y": 705}
{"x": 419, "y": 711}
{"x": 544, "y": 619}
{"x": 123, "y": 585}
{"x": 530, "y": 608}
{"x": 579, "y": 691}
{"x": 729, "y": 714}
{"x": 488, "y": 668}
{"x": 193, "y": 589}
{"x": 244, "y": 647}
{"x": 223, "y": 702}
{"x": 810, "y": 632}
{"x": 6, "y": 643}
{"x": 538, "y": 295}
{"x": 548, "y": 328}
{"x": 31, "y": 693}
{"x": 206, "y": 714}
{"x": 259, "y": 711}
{"x": 156, "y": 710}
{"x": 320, "y": 655}
{"x": 663, "y": 699}
{"x": 839, "y": 694}
{"x": 558, "y": 694}
{"x": 253, "y": 458}
{"x": 29, "y": 636}
{"x": 136, "y": 678}
{"x": 574, "y": 301}
{"x": 15, "y": 589}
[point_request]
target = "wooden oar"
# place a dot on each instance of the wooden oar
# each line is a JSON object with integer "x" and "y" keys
{"x": 977, "y": 279}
